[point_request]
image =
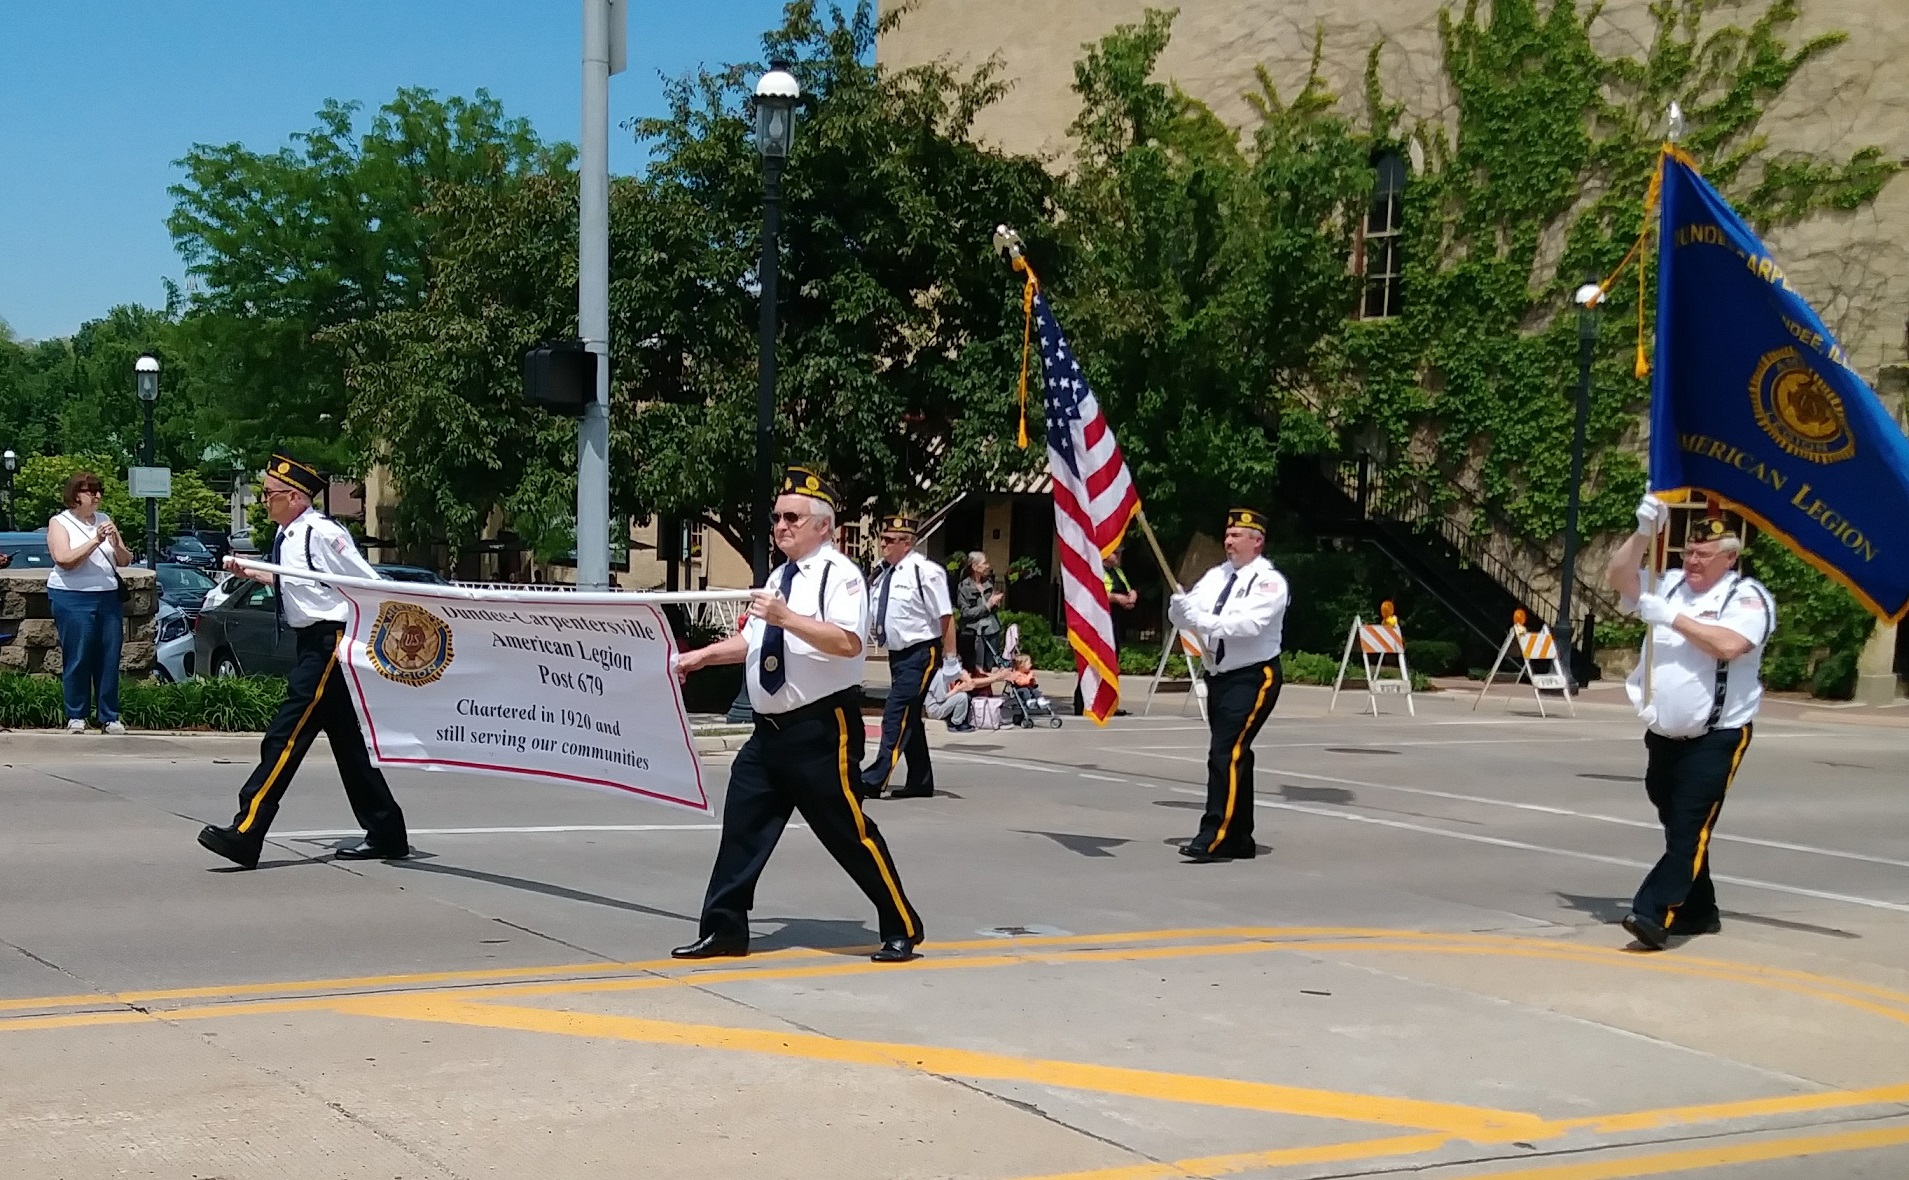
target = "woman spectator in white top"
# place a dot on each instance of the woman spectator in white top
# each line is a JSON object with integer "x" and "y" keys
{"x": 83, "y": 588}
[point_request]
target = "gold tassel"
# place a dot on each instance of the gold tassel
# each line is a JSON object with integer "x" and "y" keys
{"x": 1642, "y": 368}
{"x": 1027, "y": 339}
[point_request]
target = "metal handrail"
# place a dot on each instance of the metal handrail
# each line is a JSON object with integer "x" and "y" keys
{"x": 1409, "y": 502}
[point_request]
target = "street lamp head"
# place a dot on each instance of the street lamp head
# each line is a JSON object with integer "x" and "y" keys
{"x": 146, "y": 378}
{"x": 10, "y": 461}
{"x": 776, "y": 95}
{"x": 1589, "y": 296}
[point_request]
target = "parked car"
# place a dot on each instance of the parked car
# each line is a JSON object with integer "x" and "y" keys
{"x": 28, "y": 550}
{"x": 241, "y": 635}
{"x": 217, "y": 541}
{"x": 225, "y": 588}
{"x": 186, "y": 549}
{"x": 173, "y": 647}
{"x": 184, "y": 587}
{"x": 410, "y": 573}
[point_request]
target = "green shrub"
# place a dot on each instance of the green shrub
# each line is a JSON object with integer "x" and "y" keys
{"x": 1434, "y": 657}
{"x": 240, "y": 704}
{"x": 1304, "y": 667}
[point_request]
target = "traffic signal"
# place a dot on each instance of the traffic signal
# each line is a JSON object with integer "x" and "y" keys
{"x": 560, "y": 376}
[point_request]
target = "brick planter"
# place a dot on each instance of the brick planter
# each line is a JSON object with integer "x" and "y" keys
{"x": 26, "y": 623}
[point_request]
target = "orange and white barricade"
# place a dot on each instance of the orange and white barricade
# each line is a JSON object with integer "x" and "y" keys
{"x": 1377, "y": 643}
{"x": 1189, "y": 645}
{"x": 1538, "y": 659}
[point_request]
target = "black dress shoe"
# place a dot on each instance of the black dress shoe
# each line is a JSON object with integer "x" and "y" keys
{"x": 366, "y": 850}
{"x": 896, "y": 950}
{"x": 712, "y": 946}
{"x": 1714, "y": 926}
{"x": 232, "y": 846}
{"x": 1646, "y": 931}
{"x": 927, "y": 794}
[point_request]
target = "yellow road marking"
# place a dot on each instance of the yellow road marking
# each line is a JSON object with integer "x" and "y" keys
{"x": 368, "y": 982}
{"x": 1471, "y": 1122}
{"x": 1715, "y": 1156}
{"x": 1284, "y": 1157}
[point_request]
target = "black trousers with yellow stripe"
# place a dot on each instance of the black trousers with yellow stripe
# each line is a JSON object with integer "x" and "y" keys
{"x": 1238, "y": 702}
{"x": 1687, "y": 780}
{"x": 808, "y": 761}
{"x": 316, "y": 701}
{"x": 903, "y": 735}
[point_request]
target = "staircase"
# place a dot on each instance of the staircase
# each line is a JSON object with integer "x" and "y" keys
{"x": 1433, "y": 544}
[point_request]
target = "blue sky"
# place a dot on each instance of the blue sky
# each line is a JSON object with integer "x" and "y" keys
{"x": 98, "y": 98}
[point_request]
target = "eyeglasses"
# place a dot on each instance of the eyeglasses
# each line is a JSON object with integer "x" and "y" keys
{"x": 89, "y": 491}
{"x": 789, "y": 518}
{"x": 270, "y": 492}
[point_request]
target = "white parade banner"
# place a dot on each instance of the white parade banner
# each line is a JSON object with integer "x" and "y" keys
{"x": 554, "y": 686}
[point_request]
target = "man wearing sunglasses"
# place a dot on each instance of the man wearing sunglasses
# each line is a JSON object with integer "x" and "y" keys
{"x": 315, "y": 698}
{"x": 802, "y": 653}
{"x": 914, "y": 622}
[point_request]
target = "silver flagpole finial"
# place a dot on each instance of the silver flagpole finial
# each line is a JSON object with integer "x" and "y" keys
{"x": 1675, "y": 127}
{"x": 1007, "y": 243}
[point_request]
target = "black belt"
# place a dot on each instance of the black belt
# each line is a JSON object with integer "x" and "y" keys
{"x": 850, "y": 698}
{"x": 1244, "y": 668}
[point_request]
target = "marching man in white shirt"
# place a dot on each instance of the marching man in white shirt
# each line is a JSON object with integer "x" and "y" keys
{"x": 1709, "y": 627}
{"x": 914, "y": 620}
{"x": 803, "y": 654}
{"x": 316, "y": 699}
{"x": 1237, "y": 611}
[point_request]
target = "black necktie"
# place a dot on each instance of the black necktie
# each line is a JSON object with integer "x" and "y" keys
{"x": 881, "y": 609}
{"x": 278, "y": 590}
{"x": 1219, "y": 606}
{"x": 774, "y": 672}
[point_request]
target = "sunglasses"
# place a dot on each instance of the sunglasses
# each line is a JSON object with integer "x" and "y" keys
{"x": 789, "y": 518}
{"x": 895, "y": 539}
{"x": 89, "y": 491}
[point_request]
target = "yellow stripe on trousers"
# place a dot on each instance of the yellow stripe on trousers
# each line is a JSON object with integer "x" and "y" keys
{"x": 861, "y": 829}
{"x": 894, "y": 756}
{"x": 284, "y": 755}
{"x": 1233, "y": 764}
{"x": 1710, "y": 822}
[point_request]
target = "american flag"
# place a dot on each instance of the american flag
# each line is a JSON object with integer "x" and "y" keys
{"x": 1094, "y": 499}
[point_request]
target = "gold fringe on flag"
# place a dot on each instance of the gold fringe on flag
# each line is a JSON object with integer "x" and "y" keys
{"x": 1028, "y": 291}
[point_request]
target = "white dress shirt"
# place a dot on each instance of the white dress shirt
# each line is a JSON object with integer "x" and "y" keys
{"x": 1684, "y": 676}
{"x": 1245, "y": 628}
{"x": 812, "y": 674}
{"x": 317, "y": 542}
{"x": 917, "y": 602}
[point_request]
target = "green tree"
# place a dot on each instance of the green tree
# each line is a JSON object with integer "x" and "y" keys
{"x": 325, "y": 232}
{"x": 1202, "y": 271}
{"x": 900, "y": 330}
{"x": 42, "y": 478}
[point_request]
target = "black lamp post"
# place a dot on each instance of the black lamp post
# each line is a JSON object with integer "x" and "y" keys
{"x": 776, "y": 95}
{"x": 146, "y": 383}
{"x": 1588, "y": 297}
{"x": 9, "y": 463}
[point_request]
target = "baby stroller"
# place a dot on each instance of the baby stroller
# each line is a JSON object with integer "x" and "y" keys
{"x": 1025, "y": 707}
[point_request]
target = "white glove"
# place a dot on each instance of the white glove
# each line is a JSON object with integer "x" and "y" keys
{"x": 1177, "y": 600}
{"x": 1656, "y": 610}
{"x": 1653, "y": 515}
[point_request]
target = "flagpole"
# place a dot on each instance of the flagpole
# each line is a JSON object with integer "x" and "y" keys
{"x": 1159, "y": 554}
{"x": 1659, "y": 553}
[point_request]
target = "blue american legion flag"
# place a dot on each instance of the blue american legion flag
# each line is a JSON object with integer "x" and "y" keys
{"x": 1094, "y": 499}
{"x": 1754, "y": 401}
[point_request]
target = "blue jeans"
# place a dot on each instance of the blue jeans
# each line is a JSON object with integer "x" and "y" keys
{"x": 91, "y": 629}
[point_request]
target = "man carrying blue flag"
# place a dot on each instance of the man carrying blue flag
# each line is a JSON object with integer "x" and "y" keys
{"x": 1698, "y": 692}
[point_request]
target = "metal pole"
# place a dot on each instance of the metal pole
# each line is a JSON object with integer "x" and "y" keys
{"x": 741, "y": 710}
{"x": 766, "y": 365}
{"x": 152, "y": 505}
{"x": 1587, "y": 339}
{"x": 593, "y": 299}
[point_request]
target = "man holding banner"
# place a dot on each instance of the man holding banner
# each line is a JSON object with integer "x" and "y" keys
{"x": 803, "y": 655}
{"x": 315, "y": 698}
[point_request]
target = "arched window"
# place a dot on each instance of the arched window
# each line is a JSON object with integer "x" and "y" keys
{"x": 1378, "y": 261}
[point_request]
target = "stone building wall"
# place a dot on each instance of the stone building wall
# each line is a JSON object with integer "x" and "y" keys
{"x": 1853, "y": 267}
{"x": 26, "y": 618}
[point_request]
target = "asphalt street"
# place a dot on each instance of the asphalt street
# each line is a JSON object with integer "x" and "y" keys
{"x": 1420, "y": 973}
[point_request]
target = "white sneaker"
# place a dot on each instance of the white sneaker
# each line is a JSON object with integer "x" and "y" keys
{"x": 76, "y": 726}
{"x": 116, "y": 729}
